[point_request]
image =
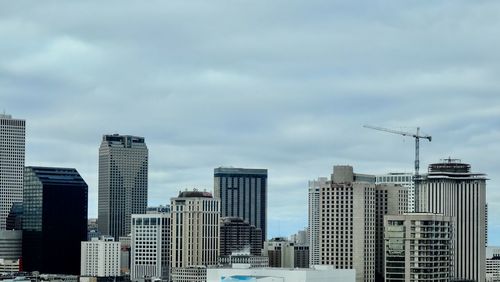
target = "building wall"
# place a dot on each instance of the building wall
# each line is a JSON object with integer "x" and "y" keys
{"x": 403, "y": 179}
{"x": 314, "y": 218}
{"x": 150, "y": 247}
{"x": 123, "y": 183}
{"x": 12, "y": 154}
{"x": 10, "y": 244}
{"x": 418, "y": 247}
{"x": 237, "y": 235}
{"x": 243, "y": 193}
{"x": 100, "y": 258}
{"x": 195, "y": 229}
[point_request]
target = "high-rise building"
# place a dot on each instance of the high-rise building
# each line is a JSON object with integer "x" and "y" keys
{"x": 100, "y": 257}
{"x": 314, "y": 219}
{"x": 492, "y": 264}
{"x": 150, "y": 247}
{"x": 450, "y": 188}
{"x": 401, "y": 178}
{"x": 418, "y": 247}
{"x": 390, "y": 199}
{"x": 14, "y": 220}
{"x": 237, "y": 234}
{"x": 347, "y": 222}
{"x": 286, "y": 254}
{"x": 12, "y": 151}
{"x": 54, "y": 219}
{"x": 243, "y": 193}
{"x": 123, "y": 182}
{"x": 195, "y": 230}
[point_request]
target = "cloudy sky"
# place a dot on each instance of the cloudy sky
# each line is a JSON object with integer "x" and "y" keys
{"x": 282, "y": 85}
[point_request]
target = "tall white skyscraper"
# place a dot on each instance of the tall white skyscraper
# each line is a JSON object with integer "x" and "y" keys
{"x": 150, "y": 247}
{"x": 314, "y": 220}
{"x": 195, "y": 230}
{"x": 451, "y": 189}
{"x": 12, "y": 151}
{"x": 123, "y": 182}
{"x": 404, "y": 179}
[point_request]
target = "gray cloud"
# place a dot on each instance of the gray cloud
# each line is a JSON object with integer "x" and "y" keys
{"x": 284, "y": 85}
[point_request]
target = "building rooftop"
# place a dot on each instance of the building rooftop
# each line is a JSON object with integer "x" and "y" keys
{"x": 195, "y": 194}
{"x": 236, "y": 170}
{"x": 57, "y": 175}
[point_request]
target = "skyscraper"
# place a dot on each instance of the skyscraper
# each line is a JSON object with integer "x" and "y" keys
{"x": 123, "y": 182}
{"x": 237, "y": 234}
{"x": 243, "y": 193}
{"x": 54, "y": 219}
{"x": 12, "y": 150}
{"x": 314, "y": 220}
{"x": 451, "y": 189}
{"x": 403, "y": 179}
{"x": 194, "y": 229}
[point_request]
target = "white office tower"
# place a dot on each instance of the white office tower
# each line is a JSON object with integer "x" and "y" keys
{"x": 401, "y": 178}
{"x": 450, "y": 188}
{"x": 195, "y": 231}
{"x": 492, "y": 264}
{"x": 150, "y": 247}
{"x": 100, "y": 257}
{"x": 314, "y": 221}
{"x": 347, "y": 222}
{"x": 12, "y": 150}
{"x": 418, "y": 247}
{"x": 123, "y": 182}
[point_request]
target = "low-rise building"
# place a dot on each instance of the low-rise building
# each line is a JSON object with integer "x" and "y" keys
{"x": 100, "y": 257}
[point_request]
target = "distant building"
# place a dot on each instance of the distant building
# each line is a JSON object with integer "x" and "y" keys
{"x": 125, "y": 252}
{"x": 100, "y": 257}
{"x": 189, "y": 274}
{"x": 314, "y": 218}
{"x": 301, "y": 237}
{"x": 54, "y": 219}
{"x": 244, "y": 258}
{"x": 401, "y": 178}
{"x": 12, "y": 154}
{"x": 243, "y": 193}
{"x": 493, "y": 264}
{"x": 283, "y": 253}
{"x": 450, "y": 188}
{"x": 92, "y": 229}
{"x": 418, "y": 247}
{"x": 150, "y": 250}
{"x": 11, "y": 244}
{"x": 237, "y": 234}
{"x": 317, "y": 274}
{"x": 123, "y": 182}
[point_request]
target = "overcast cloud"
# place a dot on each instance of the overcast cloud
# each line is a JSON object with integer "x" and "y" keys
{"x": 282, "y": 85}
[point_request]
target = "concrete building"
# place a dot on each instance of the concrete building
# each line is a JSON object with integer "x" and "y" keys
{"x": 100, "y": 257}
{"x": 245, "y": 259}
{"x": 347, "y": 222}
{"x": 450, "y": 188}
{"x": 301, "y": 237}
{"x": 123, "y": 182}
{"x": 283, "y": 253}
{"x": 400, "y": 178}
{"x": 418, "y": 247}
{"x": 315, "y": 187}
{"x": 390, "y": 199}
{"x": 243, "y": 193}
{"x": 492, "y": 264}
{"x": 237, "y": 234}
{"x": 195, "y": 230}
{"x": 54, "y": 219}
{"x": 125, "y": 253}
{"x": 12, "y": 153}
{"x": 317, "y": 274}
{"x": 11, "y": 244}
{"x": 150, "y": 247}
{"x": 9, "y": 266}
{"x": 190, "y": 274}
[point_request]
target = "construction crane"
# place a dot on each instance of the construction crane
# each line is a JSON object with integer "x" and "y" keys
{"x": 417, "y": 137}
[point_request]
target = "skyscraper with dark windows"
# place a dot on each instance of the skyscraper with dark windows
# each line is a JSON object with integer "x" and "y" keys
{"x": 54, "y": 219}
{"x": 123, "y": 182}
{"x": 237, "y": 234}
{"x": 12, "y": 151}
{"x": 243, "y": 193}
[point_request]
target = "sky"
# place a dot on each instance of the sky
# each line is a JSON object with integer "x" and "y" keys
{"x": 282, "y": 85}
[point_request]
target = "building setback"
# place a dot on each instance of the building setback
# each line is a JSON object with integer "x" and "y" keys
{"x": 418, "y": 247}
{"x": 243, "y": 193}
{"x": 123, "y": 182}
{"x": 451, "y": 189}
{"x": 54, "y": 219}
{"x": 12, "y": 151}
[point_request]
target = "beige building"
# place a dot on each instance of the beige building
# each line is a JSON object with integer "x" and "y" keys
{"x": 314, "y": 219}
{"x": 286, "y": 254}
{"x": 195, "y": 230}
{"x": 418, "y": 247}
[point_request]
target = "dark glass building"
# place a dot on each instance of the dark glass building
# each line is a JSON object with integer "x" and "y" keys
{"x": 243, "y": 193}
{"x": 237, "y": 234}
{"x": 54, "y": 220}
{"x": 14, "y": 219}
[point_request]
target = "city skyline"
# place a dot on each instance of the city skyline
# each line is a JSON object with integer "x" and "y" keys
{"x": 287, "y": 93}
